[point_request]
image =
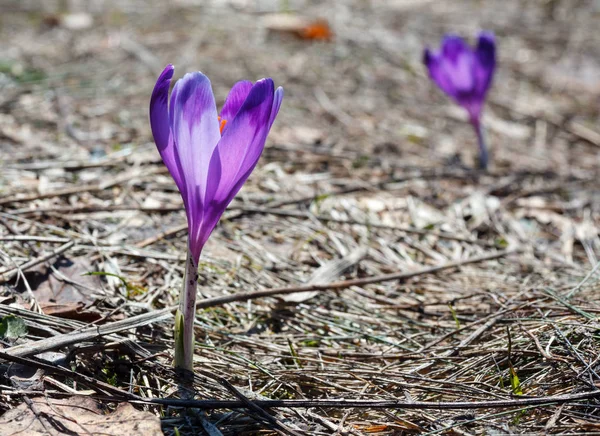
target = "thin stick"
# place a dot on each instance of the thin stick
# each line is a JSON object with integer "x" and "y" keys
{"x": 26, "y": 238}
{"x": 7, "y": 275}
{"x": 57, "y": 193}
{"x": 583, "y": 282}
{"x": 88, "y": 333}
{"x": 217, "y": 301}
{"x": 378, "y": 404}
{"x": 169, "y": 232}
{"x": 20, "y": 198}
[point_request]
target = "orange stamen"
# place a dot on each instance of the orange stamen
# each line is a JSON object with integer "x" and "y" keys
{"x": 222, "y": 126}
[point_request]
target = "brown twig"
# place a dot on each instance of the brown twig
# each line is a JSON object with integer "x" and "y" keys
{"x": 7, "y": 275}
{"x": 26, "y": 238}
{"x": 217, "y": 301}
{"x": 379, "y": 404}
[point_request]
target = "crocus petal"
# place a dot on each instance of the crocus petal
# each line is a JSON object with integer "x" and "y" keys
{"x": 159, "y": 110}
{"x": 235, "y": 99}
{"x": 277, "y": 99}
{"x": 238, "y": 151}
{"x": 159, "y": 123}
{"x": 196, "y": 133}
{"x": 452, "y": 68}
{"x": 485, "y": 55}
{"x": 457, "y": 59}
{"x": 453, "y": 47}
{"x": 243, "y": 142}
{"x": 437, "y": 72}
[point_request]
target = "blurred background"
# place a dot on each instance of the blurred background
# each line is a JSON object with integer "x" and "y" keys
{"x": 78, "y": 74}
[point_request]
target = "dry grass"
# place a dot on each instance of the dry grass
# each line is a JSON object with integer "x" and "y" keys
{"x": 367, "y": 162}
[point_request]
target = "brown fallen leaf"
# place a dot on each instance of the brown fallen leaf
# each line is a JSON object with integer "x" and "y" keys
{"x": 67, "y": 286}
{"x": 74, "y": 311}
{"x": 301, "y": 27}
{"x": 318, "y": 30}
{"x": 76, "y": 416}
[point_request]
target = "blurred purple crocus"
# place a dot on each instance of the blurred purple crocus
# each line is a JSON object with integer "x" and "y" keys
{"x": 210, "y": 156}
{"x": 465, "y": 75}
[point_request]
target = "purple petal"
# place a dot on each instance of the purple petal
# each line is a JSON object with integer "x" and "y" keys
{"x": 437, "y": 72}
{"x": 235, "y": 99}
{"x": 159, "y": 123}
{"x": 239, "y": 149}
{"x": 159, "y": 110}
{"x": 458, "y": 62}
{"x": 453, "y": 47}
{"x": 243, "y": 142}
{"x": 277, "y": 99}
{"x": 485, "y": 55}
{"x": 196, "y": 133}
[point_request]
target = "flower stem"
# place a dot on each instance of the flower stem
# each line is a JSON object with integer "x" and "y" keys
{"x": 483, "y": 151}
{"x": 185, "y": 316}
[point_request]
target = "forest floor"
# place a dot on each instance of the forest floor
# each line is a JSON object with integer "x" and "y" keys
{"x": 447, "y": 300}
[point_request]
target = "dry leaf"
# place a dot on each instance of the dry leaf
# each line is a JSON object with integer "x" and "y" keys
{"x": 326, "y": 273}
{"x": 76, "y": 416}
{"x": 76, "y": 288}
{"x": 302, "y": 27}
{"x": 75, "y": 311}
{"x": 318, "y": 30}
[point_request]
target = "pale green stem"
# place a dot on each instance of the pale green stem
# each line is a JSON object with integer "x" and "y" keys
{"x": 185, "y": 316}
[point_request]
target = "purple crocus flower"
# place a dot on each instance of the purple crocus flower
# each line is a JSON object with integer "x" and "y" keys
{"x": 210, "y": 156}
{"x": 465, "y": 75}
